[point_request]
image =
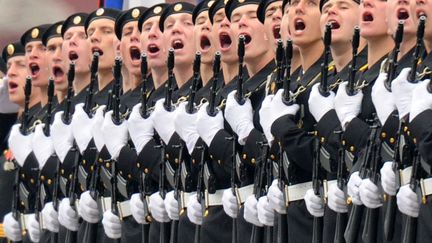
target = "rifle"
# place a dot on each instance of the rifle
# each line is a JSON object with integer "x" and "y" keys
{"x": 233, "y": 187}
{"x": 212, "y": 99}
{"x": 70, "y": 92}
{"x": 144, "y": 71}
{"x": 341, "y": 218}
{"x": 316, "y": 186}
{"x": 353, "y": 65}
{"x": 323, "y": 88}
{"x": 200, "y": 193}
{"x": 240, "y": 52}
{"x": 418, "y": 49}
{"x": 287, "y": 82}
{"x": 93, "y": 80}
{"x": 25, "y": 119}
{"x": 279, "y": 64}
{"x": 49, "y": 107}
{"x": 196, "y": 79}
{"x": 257, "y": 235}
{"x": 393, "y": 60}
{"x": 116, "y": 91}
{"x": 163, "y": 237}
{"x": 174, "y": 223}
{"x": 171, "y": 81}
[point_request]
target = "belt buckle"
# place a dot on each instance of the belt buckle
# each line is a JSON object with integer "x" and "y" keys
{"x": 237, "y": 195}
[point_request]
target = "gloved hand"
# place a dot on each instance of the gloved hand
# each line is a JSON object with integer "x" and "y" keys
{"x": 50, "y": 218}
{"x": 137, "y": 208}
{"x": 61, "y": 136}
{"x": 81, "y": 127}
{"x": 388, "y": 178}
{"x": 68, "y": 217}
{"x": 33, "y": 228}
{"x": 408, "y": 201}
{"x": 276, "y": 198}
{"x": 141, "y": 130}
{"x": 171, "y": 206}
{"x": 42, "y": 146}
{"x": 111, "y": 224}
{"x": 229, "y": 203}
{"x": 208, "y": 126}
{"x": 403, "y": 92}
{"x": 336, "y": 199}
{"x": 314, "y": 204}
{"x": 97, "y": 127}
{"x": 421, "y": 101}
{"x": 194, "y": 210}
{"x": 382, "y": 99}
{"x": 20, "y": 145}
{"x": 163, "y": 121}
{"x": 318, "y": 104}
{"x": 279, "y": 108}
{"x": 12, "y": 228}
{"x": 251, "y": 211}
{"x": 266, "y": 117}
{"x": 240, "y": 117}
{"x": 88, "y": 208}
{"x": 186, "y": 126}
{"x": 157, "y": 208}
{"x": 353, "y": 185}
{"x": 266, "y": 214}
{"x": 347, "y": 107}
{"x": 370, "y": 194}
{"x": 115, "y": 136}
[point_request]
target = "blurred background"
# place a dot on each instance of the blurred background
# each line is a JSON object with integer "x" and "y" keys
{"x": 18, "y": 16}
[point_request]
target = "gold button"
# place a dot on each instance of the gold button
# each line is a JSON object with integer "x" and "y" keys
{"x": 146, "y": 170}
{"x": 193, "y": 161}
{"x": 70, "y": 177}
{"x": 129, "y": 176}
{"x": 149, "y": 218}
{"x": 316, "y": 133}
{"x": 219, "y": 161}
{"x": 42, "y": 178}
{"x": 100, "y": 160}
{"x": 138, "y": 165}
{"x": 349, "y": 200}
{"x": 272, "y": 157}
{"x": 167, "y": 156}
{"x": 62, "y": 171}
{"x": 23, "y": 175}
{"x": 409, "y": 133}
{"x": 352, "y": 148}
{"x": 383, "y": 135}
{"x": 206, "y": 213}
{"x": 253, "y": 161}
{"x": 322, "y": 139}
{"x": 176, "y": 160}
{"x": 84, "y": 162}
{"x": 121, "y": 172}
{"x": 415, "y": 141}
{"x": 22, "y": 203}
{"x": 343, "y": 142}
{"x": 244, "y": 156}
{"x": 32, "y": 181}
{"x": 392, "y": 140}
{"x": 211, "y": 156}
{"x": 405, "y": 129}
{"x": 91, "y": 168}
{"x": 49, "y": 181}
{"x": 107, "y": 165}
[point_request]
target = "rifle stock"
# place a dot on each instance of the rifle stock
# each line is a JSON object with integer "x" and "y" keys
{"x": 93, "y": 80}
{"x": 212, "y": 99}
{"x": 393, "y": 60}
{"x": 353, "y": 66}
{"x": 240, "y": 52}
{"x": 196, "y": 79}
{"x": 70, "y": 92}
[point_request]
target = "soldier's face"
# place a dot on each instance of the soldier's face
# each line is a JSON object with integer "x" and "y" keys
{"x": 303, "y": 17}
{"x": 76, "y": 48}
{"x": 16, "y": 72}
{"x": 424, "y": 7}
{"x": 178, "y": 32}
{"x": 37, "y": 63}
{"x": 272, "y": 22}
{"x": 224, "y": 37}
{"x": 153, "y": 43}
{"x": 245, "y": 22}
{"x": 401, "y": 10}
{"x": 372, "y": 18}
{"x": 203, "y": 38}
{"x": 56, "y": 63}
{"x": 101, "y": 36}
{"x": 130, "y": 47}
{"x": 344, "y": 16}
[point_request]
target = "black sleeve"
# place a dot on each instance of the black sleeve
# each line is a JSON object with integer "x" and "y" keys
{"x": 421, "y": 130}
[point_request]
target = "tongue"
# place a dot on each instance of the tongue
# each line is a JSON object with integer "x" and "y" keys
{"x": 58, "y": 72}
{"x": 205, "y": 43}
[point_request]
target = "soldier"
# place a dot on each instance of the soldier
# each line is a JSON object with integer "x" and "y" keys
{"x": 285, "y": 35}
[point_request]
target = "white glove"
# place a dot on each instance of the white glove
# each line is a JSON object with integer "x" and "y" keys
{"x": 137, "y": 208}
{"x": 88, "y": 208}
{"x": 68, "y": 217}
{"x": 314, "y": 204}
{"x": 318, "y": 104}
{"x": 12, "y": 228}
{"x": 115, "y": 136}
{"x": 171, "y": 206}
{"x": 208, "y": 126}
{"x": 141, "y": 130}
{"x": 266, "y": 117}
{"x": 61, "y": 135}
{"x": 33, "y": 228}
{"x": 43, "y": 147}
{"x": 279, "y": 108}
{"x": 347, "y": 107}
{"x": 353, "y": 185}
{"x": 186, "y": 126}
{"x": 403, "y": 92}
{"x": 266, "y": 214}
{"x": 388, "y": 179}
{"x": 20, "y": 145}
{"x": 81, "y": 127}
{"x": 97, "y": 133}
{"x": 240, "y": 117}
{"x": 163, "y": 121}
{"x": 382, "y": 99}
{"x": 157, "y": 208}
{"x": 408, "y": 202}
{"x": 112, "y": 225}
{"x": 421, "y": 99}
{"x": 194, "y": 210}
{"x": 336, "y": 199}
{"x": 370, "y": 194}
{"x": 276, "y": 197}
{"x": 229, "y": 203}
{"x": 50, "y": 218}
{"x": 251, "y": 211}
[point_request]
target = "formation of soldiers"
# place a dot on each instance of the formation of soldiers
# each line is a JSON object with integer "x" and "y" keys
{"x": 229, "y": 121}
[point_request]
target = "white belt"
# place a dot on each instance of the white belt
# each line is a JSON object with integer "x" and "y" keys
{"x": 214, "y": 199}
{"x": 326, "y": 186}
{"x": 298, "y": 191}
{"x": 426, "y": 186}
{"x": 405, "y": 175}
{"x": 244, "y": 192}
{"x": 123, "y": 207}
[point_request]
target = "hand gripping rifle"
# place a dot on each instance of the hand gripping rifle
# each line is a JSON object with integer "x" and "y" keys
{"x": 195, "y": 81}
{"x": 393, "y": 60}
{"x": 323, "y": 88}
{"x": 171, "y": 81}
{"x": 240, "y": 52}
{"x": 211, "y": 109}
{"x": 287, "y": 82}
{"x": 341, "y": 218}
{"x": 353, "y": 66}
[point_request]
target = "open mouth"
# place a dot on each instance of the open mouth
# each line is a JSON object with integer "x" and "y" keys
{"x": 299, "y": 25}
{"x": 177, "y": 44}
{"x": 96, "y": 49}
{"x": 368, "y": 17}
{"x": 276, "y": 32}
{"x": 247, "y": 37}
{"x": 225, "y": 40}
{"x": 335, "y": 25}
{"x": 135, "y": 53}
{"x": 402, "y": 14}
{"x": 152, "y": 48}
{"x": 205, "y": 43}
{"x": 34, "y": 69}
{"x": 73, "y": 56}
{"x": 12, "y": 85}
{"x": 421, "y": 13}
{"x": 58, "y": 72}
